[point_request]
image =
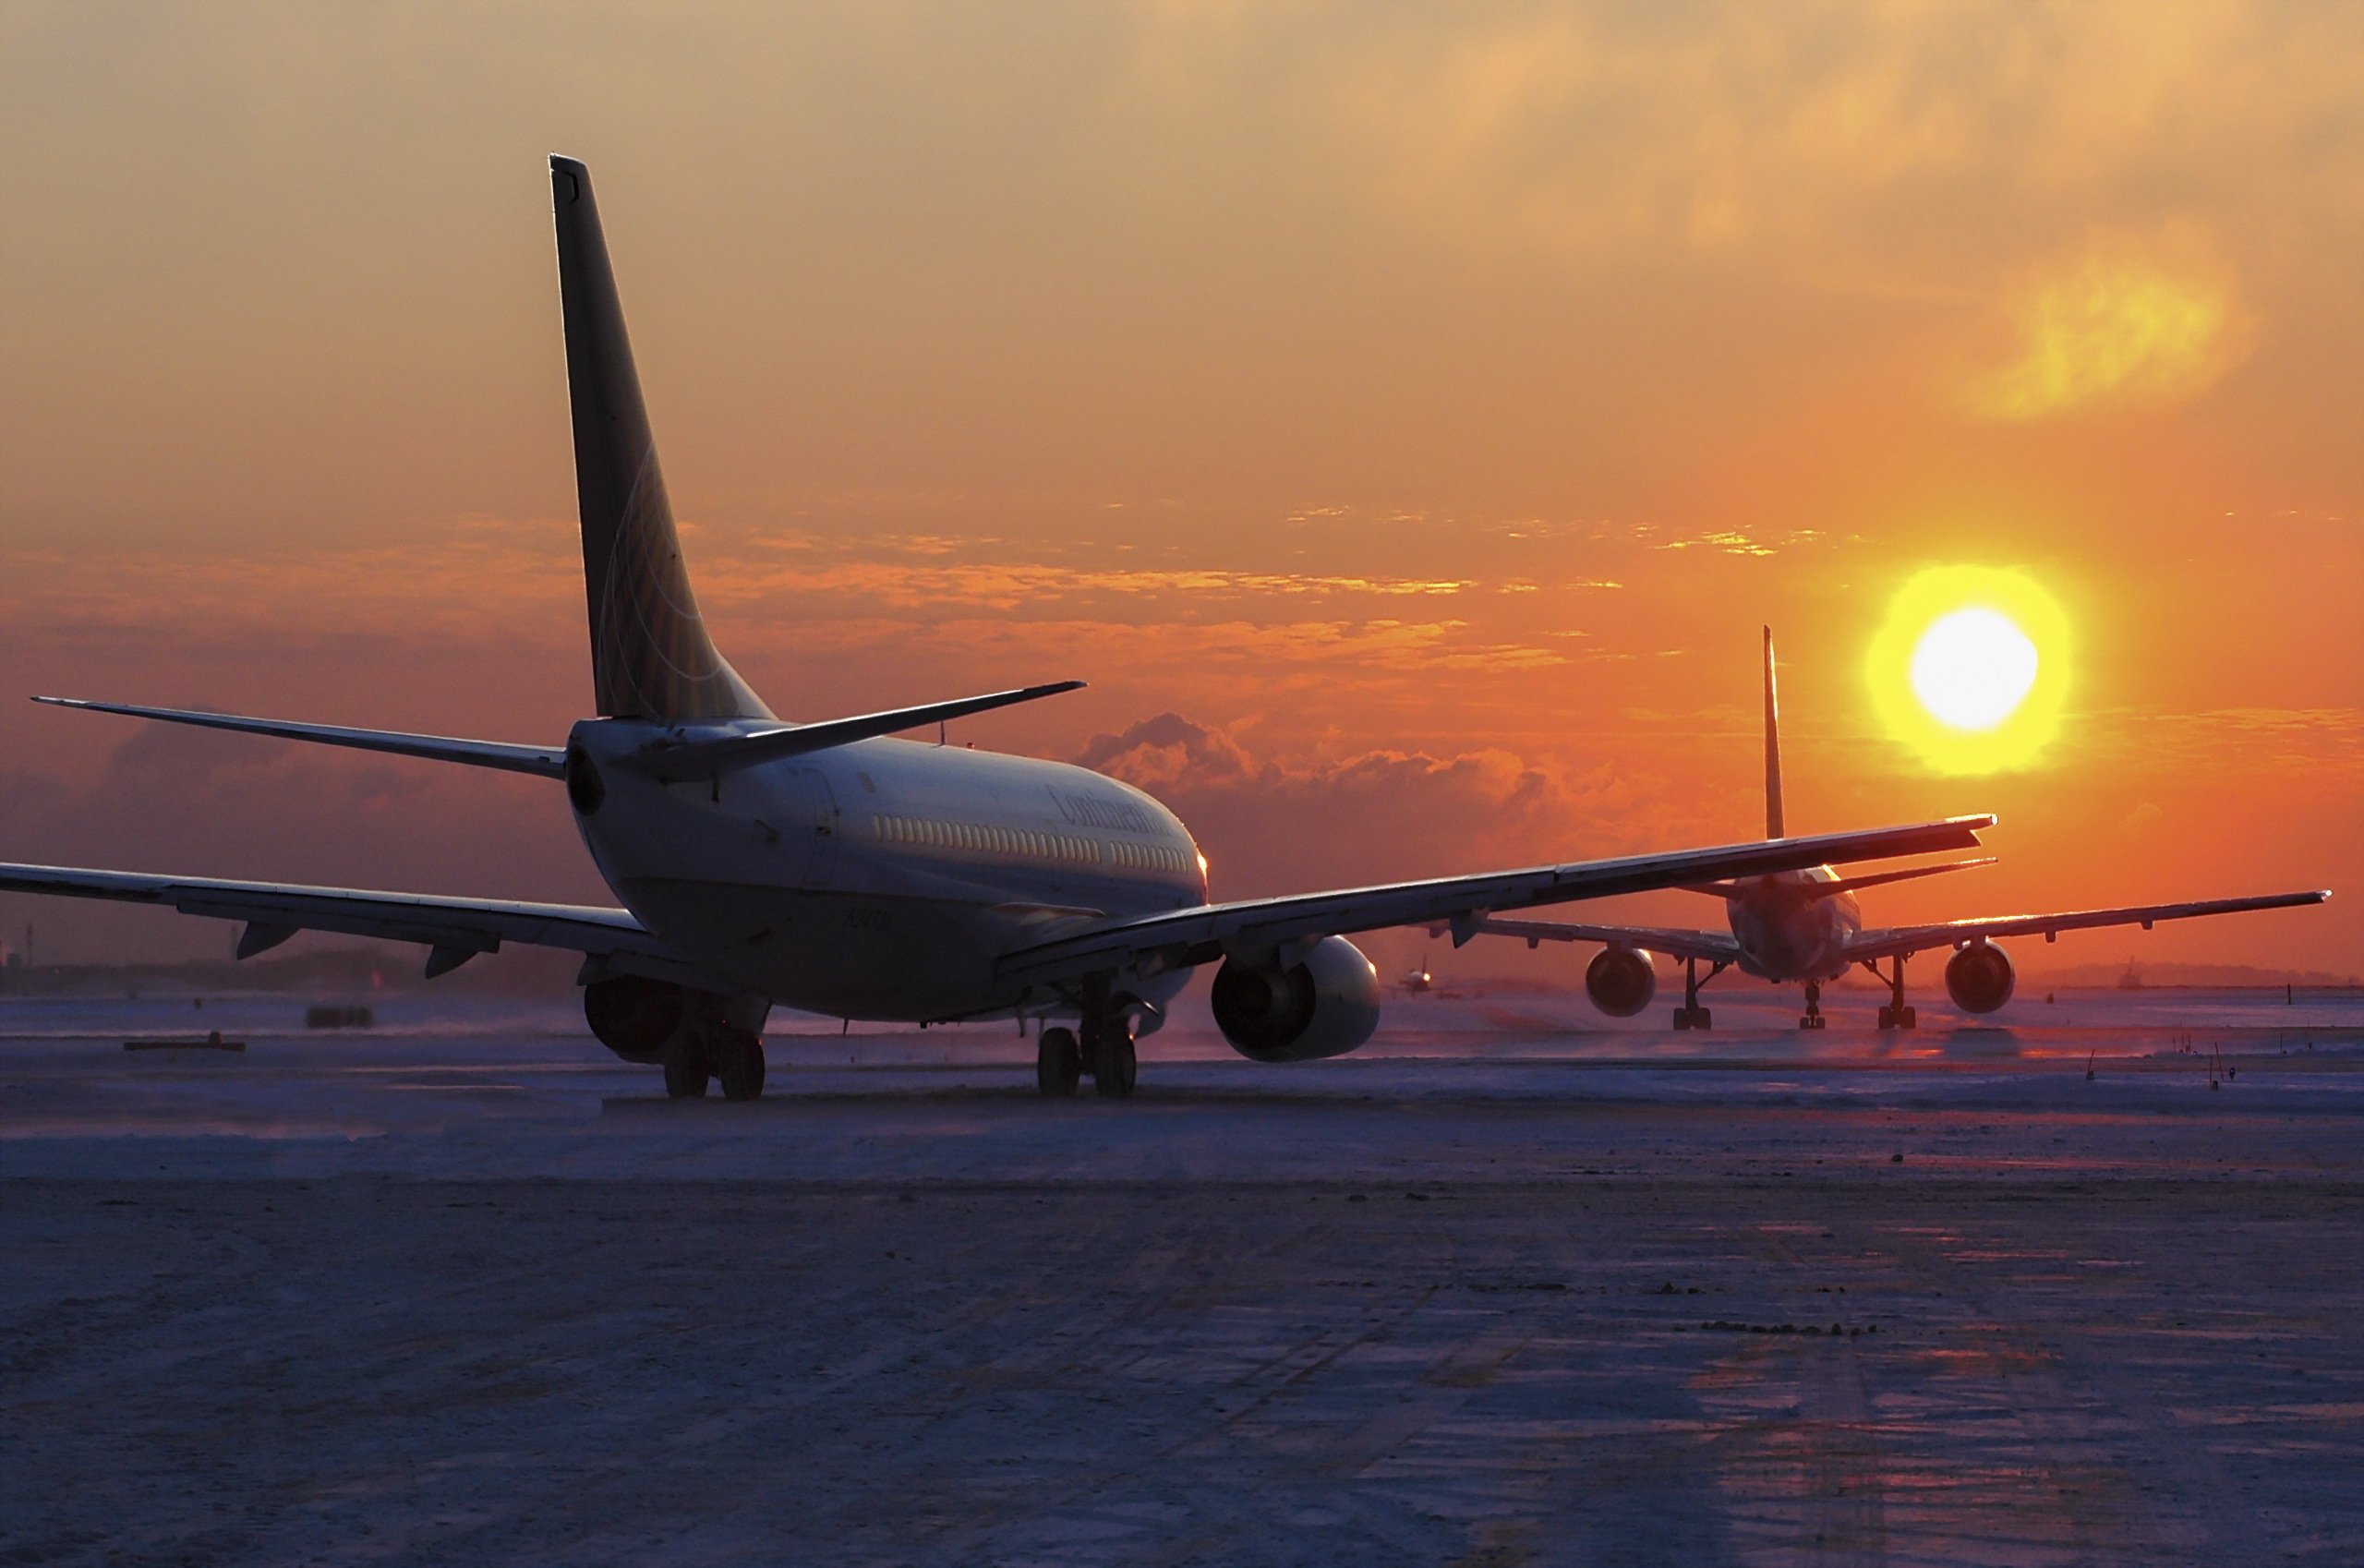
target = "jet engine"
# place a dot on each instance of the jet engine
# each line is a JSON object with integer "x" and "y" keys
{"x": 1324, "y": 1006}
{"x": 1980, "y": 978}
{"x": 634, "y": 1017}
{"x": 1622, "y": 981}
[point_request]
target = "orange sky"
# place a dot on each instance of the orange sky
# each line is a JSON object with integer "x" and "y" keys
{"x": 1404, "y": 416}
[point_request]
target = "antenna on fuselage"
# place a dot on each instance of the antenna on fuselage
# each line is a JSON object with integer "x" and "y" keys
{"x": 1772, "y": 747}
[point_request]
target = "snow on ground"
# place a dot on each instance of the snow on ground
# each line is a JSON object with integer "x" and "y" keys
{"x": 1518, "y": 1285}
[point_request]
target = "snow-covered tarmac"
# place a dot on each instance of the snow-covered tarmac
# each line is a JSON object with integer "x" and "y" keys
{"x": 1516, "y": 1286}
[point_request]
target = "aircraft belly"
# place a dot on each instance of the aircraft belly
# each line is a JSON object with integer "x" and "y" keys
{"x": 831, "y": 953}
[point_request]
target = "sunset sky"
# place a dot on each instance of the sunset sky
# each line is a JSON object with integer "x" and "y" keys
{"x": 1403, "y": 416}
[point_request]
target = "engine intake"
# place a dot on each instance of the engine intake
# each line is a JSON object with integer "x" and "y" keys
{"x": 1621, "y": 981}
{"x": 634, "y": 1017}
{"x": 1324, "y": 1006}
{"x": 1980, "y": 978}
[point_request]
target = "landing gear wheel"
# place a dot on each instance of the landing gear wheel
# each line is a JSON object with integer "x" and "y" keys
{"x": 687, "y": 1068}
{"x": 1694, "y": 1018}
{"x": 1681, "y": 1017}
{"x": 1907, "y": 1019}
{"x": 1059, "y": 1064}
{"x": 1113, "y": 1064}
{"x": 1887, "y": 1017}
{"x": 739, "y": 1063}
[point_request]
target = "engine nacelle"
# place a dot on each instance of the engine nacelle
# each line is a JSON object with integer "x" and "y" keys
{"x": 1324, "y": 1006}
{"x": 1980, "y": 978}
{"x": 1621, "y": 981}
{"x": 635, "y": 1018}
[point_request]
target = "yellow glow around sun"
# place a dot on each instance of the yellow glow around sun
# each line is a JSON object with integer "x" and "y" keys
{"x": 1971, "y": 669}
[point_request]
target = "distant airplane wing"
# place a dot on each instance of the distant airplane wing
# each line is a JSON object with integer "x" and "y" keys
{"x": 1715, "y": 947}
{"x": 1206, "y": 932}
{"x": 454, "y": 930}
{"x": 1902, "y": 941}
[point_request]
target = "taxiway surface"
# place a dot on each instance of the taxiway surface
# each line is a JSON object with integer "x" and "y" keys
{"x": 1518, "y": 1288}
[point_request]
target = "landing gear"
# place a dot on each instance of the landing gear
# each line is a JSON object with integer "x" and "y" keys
{"x": 1691, "y": 1015}
{"x": 1896, "y": 1015}
{"x": 1108, "y": 1042}
{"x": 739, "y": 1063}
{"x": 688, "y": 1066}
{"x": 1814, "y": 1019}
{"x": 1059, "y": 1064}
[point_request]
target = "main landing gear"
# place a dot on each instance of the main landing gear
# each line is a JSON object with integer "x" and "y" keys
{"x": 734, "y": 1055}
{"x": 1691, "y": 1015}
{"x": 1103, "y": 1048}
{"x": 1896, "y": 1015}
{"x": 1814, "y": 1019}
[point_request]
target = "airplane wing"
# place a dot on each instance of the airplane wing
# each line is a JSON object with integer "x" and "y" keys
{"x": 454, "y": 930}
{"x": 1905, "y": 940}
{"x": 1714, "y": 946}
{"x": 1205, "y": 932}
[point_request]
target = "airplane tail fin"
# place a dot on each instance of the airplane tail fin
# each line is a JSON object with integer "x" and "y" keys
{"x": 650, "y": 654}
{"x": 1772, "y": 747}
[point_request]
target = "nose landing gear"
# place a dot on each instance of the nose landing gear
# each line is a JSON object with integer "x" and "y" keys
{"x": 1814, "y": 1017}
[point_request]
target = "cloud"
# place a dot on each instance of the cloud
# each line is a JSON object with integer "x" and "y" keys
{"x": 1269, "y": 826}
{"x": 2126, "y": 322}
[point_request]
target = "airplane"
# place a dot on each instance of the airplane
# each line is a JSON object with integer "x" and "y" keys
{"x": 1806, "y": 926}
{"x": 833, "y": 868}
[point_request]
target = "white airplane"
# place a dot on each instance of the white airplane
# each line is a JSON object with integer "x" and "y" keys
{"x": 826, "y": 867}
{"x": 1806, "y": 926}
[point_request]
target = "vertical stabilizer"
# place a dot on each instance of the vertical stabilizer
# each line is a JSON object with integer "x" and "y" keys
{"x": 1772, "y": 747}
{"x": 651, "y": 655}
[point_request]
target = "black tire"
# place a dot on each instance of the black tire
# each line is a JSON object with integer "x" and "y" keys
{"x": 1059, "y": 1064}
{"x": 1682, "y": 1018}
{"x": 1115, "y": 1064}
{"x": 1887, "y": 1017}
{"x": 687, "y": 1068}
{"x": 739, "y": 1063}
{"x": 1907, "y": 1019}
{"x": 1702, "y": 1018}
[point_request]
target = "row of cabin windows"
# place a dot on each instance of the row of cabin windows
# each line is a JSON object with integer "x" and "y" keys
{"x": 1022, "y": 841}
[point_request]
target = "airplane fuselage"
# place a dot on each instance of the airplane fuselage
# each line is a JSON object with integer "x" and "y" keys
{"x": 1788, "y": 930}
{"x": 877, "y": 880}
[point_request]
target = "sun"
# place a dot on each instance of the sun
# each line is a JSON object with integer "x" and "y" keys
{"x": 1974, "y": 667}
{"x": 1971, "y": 669}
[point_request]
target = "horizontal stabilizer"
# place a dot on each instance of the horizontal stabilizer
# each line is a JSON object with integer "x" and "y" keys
{"x": 1881, "y": 878}
{"x": 548, "y": 762}
{"x": 677, "y": 759}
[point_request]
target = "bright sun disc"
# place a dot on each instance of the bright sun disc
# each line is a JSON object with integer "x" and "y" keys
{"x": 1972, "y": 668}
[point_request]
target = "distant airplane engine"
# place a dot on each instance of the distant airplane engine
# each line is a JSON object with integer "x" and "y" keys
{"x": 634, "y": 1017}
{"x": 1980, "y": 978}
{"x": 1622, "y": 981}
{"x": 1324, "y": 1007}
